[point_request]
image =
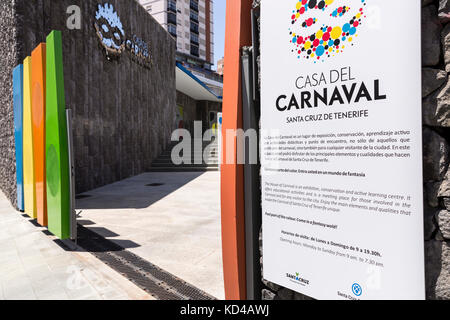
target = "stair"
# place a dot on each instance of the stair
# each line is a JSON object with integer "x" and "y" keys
{"x": 164, "y": 162}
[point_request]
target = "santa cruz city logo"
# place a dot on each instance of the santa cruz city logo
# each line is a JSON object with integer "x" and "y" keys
{"x": 314, "y": 39}
{"x": 111, "y": 34}
{"x": 296, "y": 278}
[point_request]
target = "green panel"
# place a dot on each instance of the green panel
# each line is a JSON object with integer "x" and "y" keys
{"x": 57, "y": 152}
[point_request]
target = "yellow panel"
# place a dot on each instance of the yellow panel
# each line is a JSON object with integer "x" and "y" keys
{"x": 28, "y": 163}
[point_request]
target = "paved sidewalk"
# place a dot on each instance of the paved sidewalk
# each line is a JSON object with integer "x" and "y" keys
{"x": 33, "y": 266}
{"x": 171, "y": 219}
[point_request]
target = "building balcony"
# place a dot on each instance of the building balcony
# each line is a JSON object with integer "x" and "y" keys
{"x": 194, "y": 28}
{"x": 195, "y": 51}
{"x": 194, "y": 5}
{"x": 172, "y": 18}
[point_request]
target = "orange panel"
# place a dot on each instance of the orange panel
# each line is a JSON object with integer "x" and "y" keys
{"x": 237, "y": 35}
{"x": 38, "y": 119}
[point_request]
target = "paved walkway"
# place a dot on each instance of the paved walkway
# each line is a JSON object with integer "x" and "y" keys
{"x": 33, "y": 266}
{"x": 170, "y": 219}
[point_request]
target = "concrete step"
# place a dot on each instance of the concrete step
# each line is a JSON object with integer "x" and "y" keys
{"x": 169, "y": 164}
{"x": 182, "y": 169}
{"x": 204, "y": 165}
{"x": 195, "y": 150}
{"x": 164, "y": 162}
{"x": 204, "y": 143}
{"x": 168, "y": 160}
{"x": 168, "y": 155}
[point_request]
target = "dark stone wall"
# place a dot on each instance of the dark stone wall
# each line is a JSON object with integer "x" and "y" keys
{"x": 189, "y": 110}
{"x": 123, "y": 113}
{"x": 8, "y": 59}
{"x": 436, "y": 148}
{"x": 196, "y": 111}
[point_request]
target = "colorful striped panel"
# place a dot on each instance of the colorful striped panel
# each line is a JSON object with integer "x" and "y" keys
{"x": 28, "y": 163}
{"x": 38, "y": 57}
{"x": 18, "y": 131}
{"x": 57, "y": 151}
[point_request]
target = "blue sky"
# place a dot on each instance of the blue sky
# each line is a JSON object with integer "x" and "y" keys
{"x": 219, "y": 30}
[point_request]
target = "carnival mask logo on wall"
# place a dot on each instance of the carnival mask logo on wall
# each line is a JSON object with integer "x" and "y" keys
{"x": 316, "y": 40}
{"x": 112, "y": 36}
{"x": 109, "y": 29}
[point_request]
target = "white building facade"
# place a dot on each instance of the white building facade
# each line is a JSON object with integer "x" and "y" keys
{"x": 191, "y": 23}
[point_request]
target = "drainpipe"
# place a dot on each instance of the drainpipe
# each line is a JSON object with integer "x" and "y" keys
{"x": 252, "y": 200}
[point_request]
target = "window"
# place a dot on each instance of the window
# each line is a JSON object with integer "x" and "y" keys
{"x": 194, "y": 16}
{"x": 194, "y": 38}
{"x": 172, "y": 29}
{"x": 172, "y": 5}
{"x": 194, "y": 50}
{"x": 194, "y": 5}
{"x": 194, "y": 27}
{"x": 172, "y": 18}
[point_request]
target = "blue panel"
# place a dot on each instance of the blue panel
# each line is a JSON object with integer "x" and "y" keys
{"x": 18, "y": 131}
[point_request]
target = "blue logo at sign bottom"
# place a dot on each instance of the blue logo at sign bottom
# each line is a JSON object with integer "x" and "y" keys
{"x": 357, "y": 290}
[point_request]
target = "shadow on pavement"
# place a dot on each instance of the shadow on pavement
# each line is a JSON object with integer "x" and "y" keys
{"x": 160, "y": 284}
{"x": 135, "y": 193}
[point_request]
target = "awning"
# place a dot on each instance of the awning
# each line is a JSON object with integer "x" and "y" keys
{"x": 192, "y": 86}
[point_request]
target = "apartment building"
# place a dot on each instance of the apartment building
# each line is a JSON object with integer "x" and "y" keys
{"x": 220, "y": 66}
{"x": 191, "y": 23}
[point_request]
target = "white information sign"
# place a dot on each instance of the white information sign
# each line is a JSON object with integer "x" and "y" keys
{"x": 342, "y": 148}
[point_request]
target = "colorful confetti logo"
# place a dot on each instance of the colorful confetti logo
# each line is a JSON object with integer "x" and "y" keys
{"x": 328, "y": 40}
